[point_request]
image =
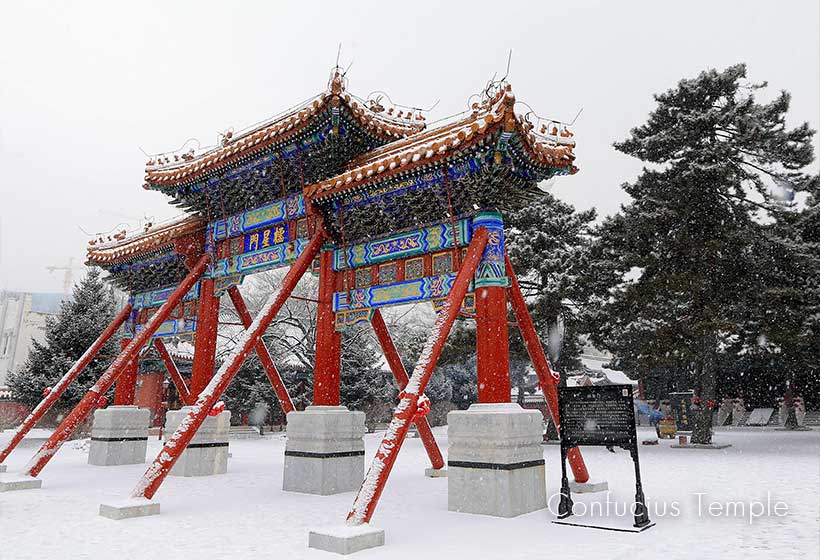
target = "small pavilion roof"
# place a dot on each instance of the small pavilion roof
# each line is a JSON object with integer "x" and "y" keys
{"x": 125, "y": 248}
{"x": 551, "y": 146}
{"x": 172, "y": 170}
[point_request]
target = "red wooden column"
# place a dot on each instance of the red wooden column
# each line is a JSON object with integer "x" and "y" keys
{"x": 400, "y": 375}
{"x": 262, "y": 351}
{"x": 126, "y": 386}
{"x": 492, "y": 338}
{"x": 327, "y": 370}
{"x": 207, "y": 324}
{"x": 90, "y": 399}
{"x": 547, "y": 379}
{"x": 173, "y": 372}
{"x": 376, "y": 477}
{"x": 176, "y": 444}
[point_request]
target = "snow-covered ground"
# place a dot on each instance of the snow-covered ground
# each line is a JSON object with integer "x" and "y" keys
{"x": 245, "y": 513}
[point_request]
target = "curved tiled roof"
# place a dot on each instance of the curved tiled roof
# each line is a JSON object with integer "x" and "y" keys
{"x": 553, "y": 149}
{"x": 128, "y": 247}
{"x": 371, "y": 116}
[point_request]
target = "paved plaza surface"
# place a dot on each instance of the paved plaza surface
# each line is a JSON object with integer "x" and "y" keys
{"x": 245, "y": 512}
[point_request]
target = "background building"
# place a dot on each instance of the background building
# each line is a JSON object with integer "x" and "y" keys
{"x": 22, "y": 318}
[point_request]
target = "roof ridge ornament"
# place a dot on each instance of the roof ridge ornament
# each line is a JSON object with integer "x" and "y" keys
{"x": 337, "y": 82}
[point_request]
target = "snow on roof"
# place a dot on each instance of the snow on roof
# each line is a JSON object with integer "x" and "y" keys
{"x": 552, "y": 148}
{"x": 370, "y": 115}
{"x": 151, "y": 238}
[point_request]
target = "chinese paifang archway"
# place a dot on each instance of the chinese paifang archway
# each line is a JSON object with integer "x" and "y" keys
{"x": 386, "y": 211}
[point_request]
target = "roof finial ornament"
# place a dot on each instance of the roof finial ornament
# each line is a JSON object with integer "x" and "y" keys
{"x": 337, "y": 78}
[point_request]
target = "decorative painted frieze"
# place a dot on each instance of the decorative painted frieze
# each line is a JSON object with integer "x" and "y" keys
{"x": 270, "y": 257}
{"x": 172, "y": 327}
{"x": 409, "y": 291}
{"x": 262, "y": 217}
{"x": 155, "y": 298}
{"x": 491, "y": 270}
{"x": 403, "y": 245}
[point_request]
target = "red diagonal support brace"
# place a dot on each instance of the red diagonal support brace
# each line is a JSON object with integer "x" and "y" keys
{"x": 376, "y": 478}
{"x": 400, "y": 374}
{"x": 173, "y": 372}
{"x": 89, "y": 401}
{"x": 546, "y": 379}
{"x": 56, "y": 392}
{"x": 176, "y": 444}
{"x": 262, "y": 351}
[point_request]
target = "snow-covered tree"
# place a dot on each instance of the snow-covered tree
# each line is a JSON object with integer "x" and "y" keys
{"x": 68, "y": 335}
{"x": 546, "y": 241}
{"x": 677, "y": 271}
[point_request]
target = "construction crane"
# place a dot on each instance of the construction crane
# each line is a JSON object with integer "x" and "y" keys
{"x": 68, "y": 277}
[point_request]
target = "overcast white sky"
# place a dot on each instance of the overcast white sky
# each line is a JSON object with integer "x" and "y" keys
{"x": 85, "y": 85}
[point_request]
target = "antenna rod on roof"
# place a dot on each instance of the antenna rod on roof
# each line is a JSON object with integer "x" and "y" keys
{"x": 338, "y": 54}
{"x": 581, "y": 110}
{"x": 509, "y": 60}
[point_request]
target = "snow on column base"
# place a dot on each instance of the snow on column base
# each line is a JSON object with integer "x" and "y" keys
{"x": 119, "y": 436}
{"x": 588, "y": 487}
{"x": 495, "y": 461}
{"x": 346, "y": 539}
{"x": 324, "y": 453}
{"x": 435, "y": 473}
{"x": 134, "y": 507}
{"x": 207, "y": 453}
{"x": 3, "y": 468}
{"x": 19, "y": 483}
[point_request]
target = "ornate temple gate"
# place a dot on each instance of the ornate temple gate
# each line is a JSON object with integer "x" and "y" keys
{"x": 386, "y": 212}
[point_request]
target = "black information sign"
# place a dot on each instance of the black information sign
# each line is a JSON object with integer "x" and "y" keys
{"x": 681, "y": 405}
{"x": 599, "y": 415}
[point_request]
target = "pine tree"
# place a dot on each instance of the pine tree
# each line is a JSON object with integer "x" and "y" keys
{"x": 546, "y": 241}
{"x": 363, "y": 381}
{"x": 80, "y": 321}
{"x": 678, "y": 273}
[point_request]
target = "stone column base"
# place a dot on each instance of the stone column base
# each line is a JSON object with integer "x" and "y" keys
{"x": 495, "y": 460}
{"x": 134, "y": 507}
{"x": 346, "y": 539}
{"x": 119, "y": 436}
{"x": 20, "y": 482}
{"x": 207, "y": 454}
{"x": 324, "y": 453}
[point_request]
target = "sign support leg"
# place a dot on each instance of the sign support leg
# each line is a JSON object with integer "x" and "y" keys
{"x": 565, "y": 505}
{"x": 641, "y": 513}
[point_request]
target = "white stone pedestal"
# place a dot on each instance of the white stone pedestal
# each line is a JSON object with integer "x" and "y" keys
{"x": 207, "y": 453}
{"x": 134, "y": 507}
{"x": 346, "y": 539}
{"x": 119, "y": 436}
{"x": 495, "y": 460}
{"x": 324, "y": 453}
{"x": 588, "y": 487}
{"x": 9, "y": 483}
